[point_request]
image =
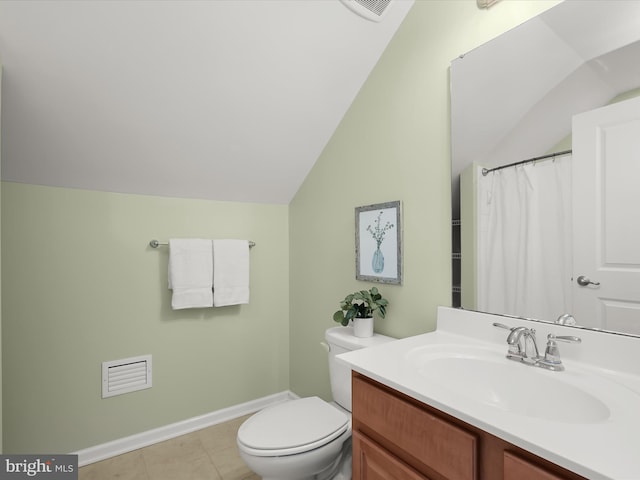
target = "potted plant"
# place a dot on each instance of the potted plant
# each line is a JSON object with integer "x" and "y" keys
{"x": 359, "y": 307}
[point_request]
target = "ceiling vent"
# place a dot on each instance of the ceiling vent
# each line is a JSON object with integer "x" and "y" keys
{"x": 370, "y": 9}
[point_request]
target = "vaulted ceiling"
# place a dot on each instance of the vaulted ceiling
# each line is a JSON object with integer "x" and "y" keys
{"x": 218, "y": 99}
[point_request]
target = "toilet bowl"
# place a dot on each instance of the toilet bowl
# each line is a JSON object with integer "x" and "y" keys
{"x": 298, "y": 440}
{"x": 307, "y": 438}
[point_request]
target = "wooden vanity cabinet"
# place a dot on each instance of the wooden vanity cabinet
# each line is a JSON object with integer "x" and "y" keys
{"x": 396, "y": 437}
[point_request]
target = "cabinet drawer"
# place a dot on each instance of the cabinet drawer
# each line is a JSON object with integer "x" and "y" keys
{"x": 446, "y": 448}
{"x": 371, "y": 462}
{"x": 516, "y": 468}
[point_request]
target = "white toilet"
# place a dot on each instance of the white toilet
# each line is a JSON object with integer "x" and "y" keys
{"x": 307, "y": 438}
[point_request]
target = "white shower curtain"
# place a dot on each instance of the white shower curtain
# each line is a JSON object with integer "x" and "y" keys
{"x": 524, "y": 240}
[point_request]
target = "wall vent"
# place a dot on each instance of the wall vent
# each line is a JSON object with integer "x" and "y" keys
{"x": 369, "y": 9}
{"x": 126, "y": 375}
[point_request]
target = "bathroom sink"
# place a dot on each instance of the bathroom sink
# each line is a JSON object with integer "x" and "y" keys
{"x": 485, "y": 376}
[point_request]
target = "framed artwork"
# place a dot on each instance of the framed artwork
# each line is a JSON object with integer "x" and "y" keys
{"x": 379, "y": 243}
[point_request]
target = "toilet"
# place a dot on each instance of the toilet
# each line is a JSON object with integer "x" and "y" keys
{"x": 307, "y": 438}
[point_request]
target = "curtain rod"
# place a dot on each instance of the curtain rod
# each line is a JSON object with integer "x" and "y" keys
{"x": 486, "y": 171}
{"x": 156, "y": 244}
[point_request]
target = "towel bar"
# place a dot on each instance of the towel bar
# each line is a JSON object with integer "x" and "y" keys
{"x": 156, "y": 244}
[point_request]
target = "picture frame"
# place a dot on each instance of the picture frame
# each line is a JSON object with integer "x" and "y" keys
{"x": 379, "y": 243}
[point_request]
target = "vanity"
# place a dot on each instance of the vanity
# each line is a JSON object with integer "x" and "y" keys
{"x": 450, "y": 405}
{"x": 396, "y": 437}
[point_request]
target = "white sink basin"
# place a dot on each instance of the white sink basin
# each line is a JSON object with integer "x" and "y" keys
{"x": 484, "y": 375}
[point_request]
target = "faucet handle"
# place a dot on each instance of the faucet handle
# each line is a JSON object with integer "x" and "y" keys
{"x": 552, "y": 360}
{"x": 502, "y": 325}
{"x": 516, "y": 348}
{"x": 564, "y": 338}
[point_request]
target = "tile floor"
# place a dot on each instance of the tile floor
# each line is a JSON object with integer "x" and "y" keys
{"x": 207, "y": 454}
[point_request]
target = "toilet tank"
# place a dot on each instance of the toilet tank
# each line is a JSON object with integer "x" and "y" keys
{"x": 342, "y": 340}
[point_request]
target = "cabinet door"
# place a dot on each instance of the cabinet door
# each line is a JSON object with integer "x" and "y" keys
{"x": 372, "y": 462}
{"x": 448, "y": 450}
{"x": 516, "y": 468}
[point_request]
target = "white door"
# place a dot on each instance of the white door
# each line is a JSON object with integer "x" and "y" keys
{"x": 606, "y": 219}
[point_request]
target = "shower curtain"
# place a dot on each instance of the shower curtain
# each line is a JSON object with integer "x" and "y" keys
{"x": 524, "y": 240}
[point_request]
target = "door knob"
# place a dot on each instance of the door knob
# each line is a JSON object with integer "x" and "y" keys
{"x": 585, "y": 281}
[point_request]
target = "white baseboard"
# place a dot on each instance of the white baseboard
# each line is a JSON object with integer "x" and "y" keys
{"x": 144, "y": 439}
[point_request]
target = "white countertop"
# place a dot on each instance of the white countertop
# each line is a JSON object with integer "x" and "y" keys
{"x": 605, "y": 449}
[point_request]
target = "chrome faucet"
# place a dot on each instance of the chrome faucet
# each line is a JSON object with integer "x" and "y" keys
{"x": 524, "y": 348}
{"x": 522, "y": 345}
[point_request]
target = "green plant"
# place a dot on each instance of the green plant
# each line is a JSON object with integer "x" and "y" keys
{"x": 361, "y": 304}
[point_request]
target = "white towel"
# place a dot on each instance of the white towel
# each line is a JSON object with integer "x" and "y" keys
{"x": 230, "y": 272}
{"x": 191, "y": 273}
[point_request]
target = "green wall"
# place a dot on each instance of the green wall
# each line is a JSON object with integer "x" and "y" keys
{"x": 393, "y": 144}
{"x": 82, "y": 286}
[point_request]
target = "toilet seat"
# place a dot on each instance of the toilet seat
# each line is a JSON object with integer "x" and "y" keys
{"x": 292, "y": 427}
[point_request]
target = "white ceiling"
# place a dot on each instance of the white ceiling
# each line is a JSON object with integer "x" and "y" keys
{"x": 220, "y": 99}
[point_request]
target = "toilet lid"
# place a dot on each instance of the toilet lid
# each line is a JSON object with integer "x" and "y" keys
{"x": 292, "y": 427}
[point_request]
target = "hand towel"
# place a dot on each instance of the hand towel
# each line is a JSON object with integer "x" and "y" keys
{"x": 191, "y": 273}
{"x": 230, "y": 272}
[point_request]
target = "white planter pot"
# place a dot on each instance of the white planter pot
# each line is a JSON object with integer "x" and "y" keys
{"x": 363, "y": 327}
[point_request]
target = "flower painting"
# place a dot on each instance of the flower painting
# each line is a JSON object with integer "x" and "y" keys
{"x": 378, "y": 243}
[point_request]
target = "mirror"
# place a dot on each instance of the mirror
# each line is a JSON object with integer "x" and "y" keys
{"x": 513, "y": 99}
